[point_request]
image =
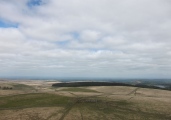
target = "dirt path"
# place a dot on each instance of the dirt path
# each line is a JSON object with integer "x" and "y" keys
{"x": 134, "y": 91}
{"x": 67, "y": 109}
{"x": 81, "y": 114}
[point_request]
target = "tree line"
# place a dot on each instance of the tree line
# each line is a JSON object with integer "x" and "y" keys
{"x": 5, "y": 88}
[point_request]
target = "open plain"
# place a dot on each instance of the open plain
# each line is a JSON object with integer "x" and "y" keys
{"x": 38, "y": 100}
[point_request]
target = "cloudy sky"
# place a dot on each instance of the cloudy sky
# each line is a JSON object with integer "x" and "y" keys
{"x": 85, "y": 38}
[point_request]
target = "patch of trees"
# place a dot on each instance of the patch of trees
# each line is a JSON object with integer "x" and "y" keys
{"x": 153, "y": 87}
{"x": 5, "y": 88}
{"x": 83, "y": 84}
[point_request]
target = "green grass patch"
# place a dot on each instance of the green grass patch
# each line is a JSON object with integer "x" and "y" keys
{"x": 33, "y": 100}
{"x": 119, "y": 110}
{"x": 22, "y": 87}
{"x": 77, "y": 89}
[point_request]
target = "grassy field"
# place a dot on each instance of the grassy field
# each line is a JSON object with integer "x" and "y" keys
{"x": 96, "y": 107}
{"x": 98, "y": 103}
{"x": 77, "y": 89}
{"x": 22, "y": 87}
{"x": 32, "y": 100}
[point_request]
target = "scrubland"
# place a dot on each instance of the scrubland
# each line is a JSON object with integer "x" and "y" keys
{"x": 38, "y": 100}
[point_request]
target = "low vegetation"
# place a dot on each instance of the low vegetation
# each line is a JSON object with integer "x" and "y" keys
{"x": 77, "y": 89}
{"x": 32, "y": 100}
{"x": 22, "y": 87}
{"x": 85, "y": 103}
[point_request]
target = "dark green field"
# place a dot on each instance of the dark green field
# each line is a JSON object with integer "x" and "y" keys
{"x": 32, "y": 100}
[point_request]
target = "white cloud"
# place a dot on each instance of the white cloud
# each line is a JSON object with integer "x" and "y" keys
{"x": 113, "y": 38}
{"x": 90, "y": 36}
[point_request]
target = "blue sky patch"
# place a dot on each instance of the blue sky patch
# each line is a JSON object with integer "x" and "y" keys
{"x": 32, "y": 3}
{"x": 76, "y": 35}
{"x": 63, "y": 43}
{"x": 5, "y": 24}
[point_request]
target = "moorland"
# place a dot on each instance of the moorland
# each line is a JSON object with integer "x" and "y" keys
{"x": 42, "y": 100}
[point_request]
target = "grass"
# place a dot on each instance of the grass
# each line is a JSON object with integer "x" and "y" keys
{"x": 120, "y": 109}
{"x": 102, "y": 109}
{"x": 33, "y": 100}
{"x": 22, "y": 87}
{"x": 77, "y": 89}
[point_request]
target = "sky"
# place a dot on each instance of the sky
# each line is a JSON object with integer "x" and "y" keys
{"x": 85, "y": 38}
